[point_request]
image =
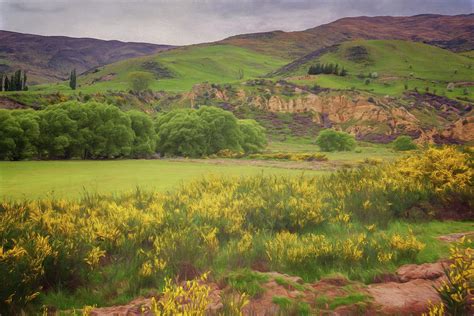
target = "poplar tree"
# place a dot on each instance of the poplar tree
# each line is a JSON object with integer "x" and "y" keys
{"x": 24, "y": 82}
{"x": 72, "y": 79}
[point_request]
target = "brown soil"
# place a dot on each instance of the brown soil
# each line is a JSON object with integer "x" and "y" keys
{"x": 9, "y": 104}
{"x": 408, "y": 291}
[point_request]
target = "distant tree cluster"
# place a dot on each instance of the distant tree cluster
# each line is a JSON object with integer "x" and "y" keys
{"x": 328, "y": 69}
{"x": 100, "y": 131}
{"x": 16, "y": 82}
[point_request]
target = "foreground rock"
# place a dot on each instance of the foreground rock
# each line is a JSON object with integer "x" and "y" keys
{"x": 408, "y": 291}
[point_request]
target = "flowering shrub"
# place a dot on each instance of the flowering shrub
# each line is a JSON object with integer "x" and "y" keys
{"x": 456, "y": 291}
{"x": 291, "y": 156}
{"x": 291, "y": 223}
{"x": 189, "y": 299}
{"x": 288, "y": 250}
{"x": 447, "y": 169}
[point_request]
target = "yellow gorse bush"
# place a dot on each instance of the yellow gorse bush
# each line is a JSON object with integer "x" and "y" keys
{"x": 189, "y": 299}
{"x": 457, "y": 290}
{"x": 446, "y": 168}
{"x": 343, "y": 216}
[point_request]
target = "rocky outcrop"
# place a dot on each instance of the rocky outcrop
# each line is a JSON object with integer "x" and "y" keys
{"x": 426, "y": 117}
{"x": 462, "y": 129}
{"x": 409, "y": 291}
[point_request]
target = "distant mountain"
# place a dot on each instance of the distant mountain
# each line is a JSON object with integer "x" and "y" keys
{"x": 451, "y": 32}
{"x": 51, "y": 58}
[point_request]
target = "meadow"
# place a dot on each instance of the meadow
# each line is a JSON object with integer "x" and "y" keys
{"x": 106, "y": 249}
{"x": 59, "y": 179}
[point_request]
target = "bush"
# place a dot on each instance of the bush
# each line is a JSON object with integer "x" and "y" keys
{"x": 140, "y": 80}
{"x": 447, "y": 169}
{"x": 331, "y": 140}
{"x": 403, "y": 143}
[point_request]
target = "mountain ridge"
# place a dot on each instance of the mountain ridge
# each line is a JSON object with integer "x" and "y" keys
{"x": 454, "y": 32}
{"x": 51, "y": 58}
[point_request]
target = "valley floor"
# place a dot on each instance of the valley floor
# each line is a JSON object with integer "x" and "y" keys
{"x": 70, "y": 178}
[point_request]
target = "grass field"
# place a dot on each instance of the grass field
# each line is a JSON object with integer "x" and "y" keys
{"x": 397, "y": 63}
{"x": 179, "y": 69}
{"x": 38, "y": 179}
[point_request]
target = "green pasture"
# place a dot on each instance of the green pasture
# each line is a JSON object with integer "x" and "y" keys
{"x": 40, "y": 179}
{"x": 185, "y": 67}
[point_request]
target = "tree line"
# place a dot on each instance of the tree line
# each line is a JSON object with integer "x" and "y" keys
{"x": 16, "y": 82}
{"x": 92, "y": 130}
{"x": 327, "y": 69}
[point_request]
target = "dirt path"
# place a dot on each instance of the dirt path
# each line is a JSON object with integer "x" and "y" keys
{"x": 301, "y": 165}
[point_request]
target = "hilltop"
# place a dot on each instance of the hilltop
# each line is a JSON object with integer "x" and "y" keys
{"x": 455, "y": 34}
{"x": 51, "y": 58}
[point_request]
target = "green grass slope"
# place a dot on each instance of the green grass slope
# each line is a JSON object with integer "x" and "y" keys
{"x": 180, "y": 69}
{"x": 396, "y": 62}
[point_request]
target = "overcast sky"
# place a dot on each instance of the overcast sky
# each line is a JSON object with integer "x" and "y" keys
{"x": 195, "y": 21}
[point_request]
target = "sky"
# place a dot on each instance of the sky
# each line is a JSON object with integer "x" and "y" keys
{"x": 181, "y": 22}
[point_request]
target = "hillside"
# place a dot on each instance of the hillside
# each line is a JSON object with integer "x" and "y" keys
{"x": 51, "y": 58}
{"x": 181, "y": 68}
{"x": 396, "y": 64}
{"x": 452, "y": 32}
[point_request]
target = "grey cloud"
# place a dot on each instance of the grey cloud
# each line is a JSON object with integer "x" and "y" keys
{"x": 192, "y": 21}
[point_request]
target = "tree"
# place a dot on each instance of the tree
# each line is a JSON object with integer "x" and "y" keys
{"x": 331, "y": 140}
{"x": 12, "y": 83}
{"x": 9, "y": 129}
{"x": 343, "y": 72}
{"x": 7, "y": 84}
{"x": 1, "y": 82}
{"x": 18, "y": 86}
{"x": 181, "y": 133}
{"x": 253, "y": 136}
{"x": 24, "y": 82}
{"x": 73, "y": 79}
{"x": 140, "y": 80}
{"x": 403, "y": 143}
{"x": 222, "y": 130}
{"x": 144, "y": 142}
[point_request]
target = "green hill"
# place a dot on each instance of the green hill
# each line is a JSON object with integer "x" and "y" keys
{"x": 179, "y": 69}
{"x": 396, "y": 64}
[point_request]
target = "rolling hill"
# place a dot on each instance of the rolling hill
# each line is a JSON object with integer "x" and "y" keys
{"x": 181, "y": 68}
{"x": 51, "y": 58}
{"x": 452, "y": 32}
{"x": 395, "y": 63}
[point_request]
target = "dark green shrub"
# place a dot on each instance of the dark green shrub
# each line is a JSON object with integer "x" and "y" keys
{"x": 331, "y": 140}
{"x": 403, "y": 143}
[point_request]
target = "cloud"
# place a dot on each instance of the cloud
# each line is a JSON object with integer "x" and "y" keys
{"x": 191, "y": 21}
